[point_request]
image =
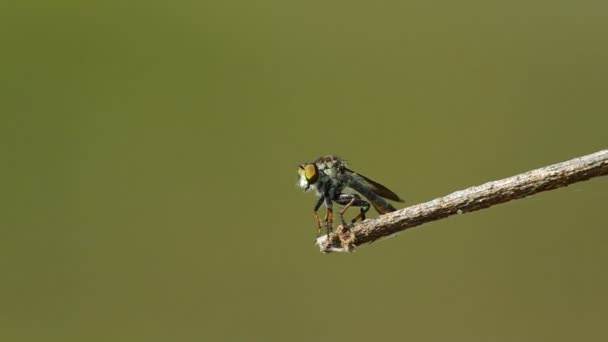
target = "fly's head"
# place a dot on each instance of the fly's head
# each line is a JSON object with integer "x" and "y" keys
{"x": 308, "y": 175}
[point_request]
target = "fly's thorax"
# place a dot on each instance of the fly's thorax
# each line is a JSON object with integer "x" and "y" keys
{"x": 330, "y": 165}
{"x": 330, "y": 185}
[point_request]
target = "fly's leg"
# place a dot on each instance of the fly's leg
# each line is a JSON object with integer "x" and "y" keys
{"x": 316, "y": 212}
{"x": 318, "y": 224}
{"x": 352, "y": 200}
{"x": 362, "y": 212}
{"x": 329, "y": 221}
{"x": 329, "y": 216}
{"x": 348, "y": 200}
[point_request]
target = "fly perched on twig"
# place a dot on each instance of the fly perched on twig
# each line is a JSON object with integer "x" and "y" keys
{"x": 329, "y": 176}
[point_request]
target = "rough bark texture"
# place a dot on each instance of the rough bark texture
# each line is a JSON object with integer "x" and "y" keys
{"x": 471, "y": 199}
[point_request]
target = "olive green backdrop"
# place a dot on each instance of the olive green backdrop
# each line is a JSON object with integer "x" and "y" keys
{"x": 149, "y": 156}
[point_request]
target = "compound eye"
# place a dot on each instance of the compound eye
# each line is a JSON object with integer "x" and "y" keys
{"x": 311, "y": 173}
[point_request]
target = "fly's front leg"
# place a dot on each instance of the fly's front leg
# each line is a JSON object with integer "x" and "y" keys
{"x": 317, "y": 206}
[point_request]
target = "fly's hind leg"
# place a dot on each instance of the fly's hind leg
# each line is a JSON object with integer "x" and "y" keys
{"x": 363, "y": 210}
{"x": 350, "y": 200}
{"x": 329, "y": 215}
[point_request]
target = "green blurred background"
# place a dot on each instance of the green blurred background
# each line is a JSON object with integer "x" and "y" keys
{"x": 149, "y": 165}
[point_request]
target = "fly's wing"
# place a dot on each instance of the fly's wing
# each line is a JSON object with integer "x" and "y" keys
{"x": 379, "y": 203}
{"x": 376, "y": 187}
{"x": 373, "y": 191}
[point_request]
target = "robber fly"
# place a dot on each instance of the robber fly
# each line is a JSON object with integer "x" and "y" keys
{"x": 329, "y": 176}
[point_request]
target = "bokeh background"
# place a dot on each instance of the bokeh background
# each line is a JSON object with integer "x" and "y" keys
{"x": 149, "y": 156}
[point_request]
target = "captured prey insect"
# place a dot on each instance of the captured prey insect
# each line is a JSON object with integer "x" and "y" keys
{"x": 329, "y": 176}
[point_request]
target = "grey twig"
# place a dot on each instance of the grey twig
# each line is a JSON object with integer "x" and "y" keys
{"x": 471, "y": 199}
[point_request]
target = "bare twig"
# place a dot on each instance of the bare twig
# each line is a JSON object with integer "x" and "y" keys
{"x": 471, "y": 199}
